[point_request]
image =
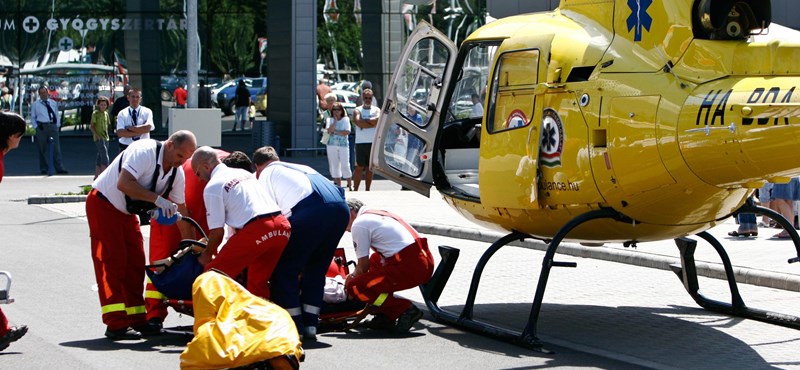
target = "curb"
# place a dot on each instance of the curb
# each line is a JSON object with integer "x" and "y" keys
{"x": 744, "y": 275}
{"x": 52, "y": 199}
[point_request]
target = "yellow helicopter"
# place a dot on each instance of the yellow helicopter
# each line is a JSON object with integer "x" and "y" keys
{"x": 600, "y": 121}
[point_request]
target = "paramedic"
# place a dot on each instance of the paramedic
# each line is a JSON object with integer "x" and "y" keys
{"x": 401, "y": 261}
{"x": 234, "y": 197}
{"x": 164, "y": 239}
{"x": 117, "y": 242}
{"x": 318, "y": 213}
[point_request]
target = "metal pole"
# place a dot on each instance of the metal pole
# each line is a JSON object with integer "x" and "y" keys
{"x": 192, "y": 43}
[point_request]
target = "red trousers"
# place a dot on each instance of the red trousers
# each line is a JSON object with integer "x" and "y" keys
{"x": 4, "y": 328}
{"x": 118, "y": 256}
{"x": 408, "y": 268}
{"x": 257, "y": 246}
{"x": 164, "y": 240}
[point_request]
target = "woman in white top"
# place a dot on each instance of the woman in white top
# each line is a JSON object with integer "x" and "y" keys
{"x": 338, "y": 126}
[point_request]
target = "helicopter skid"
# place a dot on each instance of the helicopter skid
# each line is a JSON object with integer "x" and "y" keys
{"x": 433, "y": 290}
{"x": 527, "y": 338}
{"x": 687, "y": 273}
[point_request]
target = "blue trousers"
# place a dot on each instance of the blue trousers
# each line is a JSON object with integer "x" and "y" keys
{"x": 318, "y": 223}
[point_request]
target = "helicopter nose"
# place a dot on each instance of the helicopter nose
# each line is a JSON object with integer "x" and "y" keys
{"x": 741, "y": 133}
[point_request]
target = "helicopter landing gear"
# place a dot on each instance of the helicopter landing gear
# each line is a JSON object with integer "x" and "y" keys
{"x": 687, "y": 273}
{"x": 527, "y": 338}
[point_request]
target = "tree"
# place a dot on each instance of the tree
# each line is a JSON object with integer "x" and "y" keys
{"x": 346, "y": 36}
{"x": 233, "y": 28}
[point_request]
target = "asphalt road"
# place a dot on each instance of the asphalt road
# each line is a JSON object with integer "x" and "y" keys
{"x": 599, "y": 315}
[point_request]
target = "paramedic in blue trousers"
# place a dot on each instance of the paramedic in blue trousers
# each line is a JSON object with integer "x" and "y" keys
{"x": 318, "y": 213}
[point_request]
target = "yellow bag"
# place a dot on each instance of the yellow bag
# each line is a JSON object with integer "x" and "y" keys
{"x": 233, "y": 327}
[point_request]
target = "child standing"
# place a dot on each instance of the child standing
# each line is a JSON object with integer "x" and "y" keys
{"x": 252, "y": 114}
{"x": 99, "y": 127}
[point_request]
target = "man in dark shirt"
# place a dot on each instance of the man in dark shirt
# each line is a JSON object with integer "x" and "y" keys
{"x": 242, "y": 104}
{"x": 121, "y": 102}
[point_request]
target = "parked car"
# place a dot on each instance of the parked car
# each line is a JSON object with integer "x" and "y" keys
{"x": 226, "y": 98}
{"x": 219, "y": 87}
{"x": 348, "y": 86}
{"x": 170, "y": 82}
{"x": 168, "y": 85}
{"x": 344, "y": 96}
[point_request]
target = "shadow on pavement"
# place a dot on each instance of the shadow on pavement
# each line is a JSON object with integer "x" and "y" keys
{"x": 162, "y": 343}
{"x": 681, "y": 337}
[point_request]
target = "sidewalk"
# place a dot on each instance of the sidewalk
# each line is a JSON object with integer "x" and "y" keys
{"x": 757, "y": 261}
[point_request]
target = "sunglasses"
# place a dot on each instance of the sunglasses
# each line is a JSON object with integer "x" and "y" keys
{"x": 366, "y": 98}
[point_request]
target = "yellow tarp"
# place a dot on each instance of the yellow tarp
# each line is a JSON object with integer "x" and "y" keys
{"x": 233, "y": 327}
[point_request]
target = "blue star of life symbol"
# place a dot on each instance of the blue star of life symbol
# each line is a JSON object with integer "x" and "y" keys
{"x": 549, "y": 139}
{"x": 639, "y": 17}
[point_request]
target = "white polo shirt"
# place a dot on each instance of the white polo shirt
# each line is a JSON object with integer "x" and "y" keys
{"x": 140, "y": 161}
{"x": 382, "y": 233}
{"x": 286, "y": 186}
{"x": 233, "y": 196}
{"x": 125, "y": 119}
{"x": 366, "y": 135}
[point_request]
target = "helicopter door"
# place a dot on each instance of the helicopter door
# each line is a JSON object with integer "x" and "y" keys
{"x": 404, "y": 138}
{"x": 509, "y": 153}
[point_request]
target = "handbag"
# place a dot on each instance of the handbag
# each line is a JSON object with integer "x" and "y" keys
{"x": 325, "y": 137}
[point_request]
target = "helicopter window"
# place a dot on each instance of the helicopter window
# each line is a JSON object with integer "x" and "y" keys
{"x": 402, "y": 150}
{"x": 416, "y": 85}
{"x": 470, "y": 89}
{"x": 513, "y": 83}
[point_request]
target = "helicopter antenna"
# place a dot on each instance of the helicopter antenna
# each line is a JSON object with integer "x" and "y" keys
{"x": 668, "y": 68}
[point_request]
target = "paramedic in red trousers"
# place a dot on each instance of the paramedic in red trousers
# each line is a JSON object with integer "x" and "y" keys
{"x": 318, "y": 213}
{"x": 165, "y": 238}
{"x": 117, "y": 242}
{"x": 234, "y": 197}
{"x": 401, "y": 261}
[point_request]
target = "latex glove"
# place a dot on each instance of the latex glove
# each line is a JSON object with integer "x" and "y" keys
{"x": 168, "y": 208}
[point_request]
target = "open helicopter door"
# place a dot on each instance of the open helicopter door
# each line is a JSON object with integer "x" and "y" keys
{"x": 404, "y": 139}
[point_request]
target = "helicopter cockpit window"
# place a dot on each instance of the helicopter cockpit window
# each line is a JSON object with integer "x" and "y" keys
{"x": 402, "y": 150}
{"x": 512, "y": 98}
{"x": 426, "y": 62}
{"x": 470, "y": 89}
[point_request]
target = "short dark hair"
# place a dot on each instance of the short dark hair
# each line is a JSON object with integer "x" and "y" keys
{"x": 265, "y": 154}
{"x": 10, "y": 124}
{"x": 239, "y": 159}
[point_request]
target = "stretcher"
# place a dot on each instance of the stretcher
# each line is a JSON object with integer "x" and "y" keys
{"x": 179, "y": 276}
{"x": 173, "y": 276}
{"x": 347, "y": 315}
